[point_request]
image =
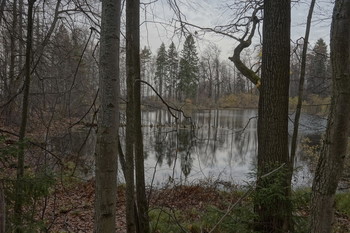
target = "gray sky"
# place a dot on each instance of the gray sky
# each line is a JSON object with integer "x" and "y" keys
{"x": 160, "y": 20}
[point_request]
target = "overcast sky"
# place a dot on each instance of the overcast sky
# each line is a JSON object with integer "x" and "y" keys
{"x": 159, "y": 20}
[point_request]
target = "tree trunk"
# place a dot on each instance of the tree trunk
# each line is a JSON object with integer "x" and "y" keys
{"x": 301, "y": 87}
{"x": 300, "y": 95}
{"x": 134, "y": 138}
{"x": 25, "y": 103}
{"x": 2, "y": 208}
{"x": 335, "y": 146}
{"x": 272, "y": 202}
{"x": 107, "y": 136}
{"x": 142, "y": 204}
{"x": 131, "y": 72}
{"x": 20, "y": 36}
{"x": 13, "y": 54}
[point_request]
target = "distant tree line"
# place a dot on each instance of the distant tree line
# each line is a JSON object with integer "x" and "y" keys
{"x": 186, "y": 74}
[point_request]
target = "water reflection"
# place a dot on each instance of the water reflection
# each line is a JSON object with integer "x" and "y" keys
{"x": 221, "y": 145}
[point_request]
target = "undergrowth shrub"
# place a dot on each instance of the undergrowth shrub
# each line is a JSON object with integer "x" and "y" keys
{"x": 35, "y": 184}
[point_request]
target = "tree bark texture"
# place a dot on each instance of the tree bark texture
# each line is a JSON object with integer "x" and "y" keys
{"x": 18, "y": 206}
{"x": 141, "y": 198}
{"x": 2, "y": 7}
{"x": 272, "y": 203}
{"x": 108, "y": 125}
{"x": 335, "y": 146}
{"x": 134, "y": 140}
{"x": 2, "y": 208}
{"x": 131, "y": 73}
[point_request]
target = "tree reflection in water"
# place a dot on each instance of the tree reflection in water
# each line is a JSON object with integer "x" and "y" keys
{"x": 215, "y": 146}
{"x": 222, "y": 145}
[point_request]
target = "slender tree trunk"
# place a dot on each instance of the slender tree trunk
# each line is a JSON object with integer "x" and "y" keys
{"x": 13, "y": 54}
{"x": 272, "y": 202}
{"x": 107, "y": 137}
{"x": 2, "y": 208}
{"x": 13, "y": 41}
{"x": 300, "y": 95}
{"x": 18, "y": 206}
{"x": 335, "y": 146}
{"x": 301, "y": 86}
{"x": 142, "y": 204}
{"x": 131, "y": 74}
{"x": 134, "y": 134}
{"x": 20, "y": 35}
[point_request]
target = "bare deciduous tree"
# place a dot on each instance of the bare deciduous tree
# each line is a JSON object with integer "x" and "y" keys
{"x": 24, "y": 119}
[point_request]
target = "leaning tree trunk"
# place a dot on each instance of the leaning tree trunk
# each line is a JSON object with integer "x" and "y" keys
{"x": 19, "y": 198}
{"x": 301, "y": 87}
{"x": 272, "y": 203}
{"x": 335, "y": 146}
{"x": 108, "y": 125}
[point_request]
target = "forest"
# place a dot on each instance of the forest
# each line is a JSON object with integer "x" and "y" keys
{"x": 166, "y": 116}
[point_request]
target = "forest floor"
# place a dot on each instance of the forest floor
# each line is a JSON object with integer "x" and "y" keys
{"x": 195, "y": 208}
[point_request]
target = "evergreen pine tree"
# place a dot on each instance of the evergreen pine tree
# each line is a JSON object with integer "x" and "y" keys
{"x": 161, "y": 70}
{"x": 172, "y": 70}
{"x": 318, "y": 82}
{"x": 145, "y": 60}
{"x": 188, "y": 80}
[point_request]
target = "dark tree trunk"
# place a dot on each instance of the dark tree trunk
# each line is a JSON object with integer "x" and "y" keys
{"x": 9, "y": 108}
{"x": 106, "y": 155}
{"x": 301, "y": 86}
{"x": 2, "y": 208}
{"x": 335, "y": 146}
{"x": 131, "y": 75}
{"x": 18, "y": 206}
{"x": 134, "y": 140}
{"x": 272, "y": 202}
{"x": 300, "y": 95}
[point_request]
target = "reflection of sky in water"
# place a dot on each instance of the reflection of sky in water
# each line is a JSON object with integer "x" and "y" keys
{"x": 223, "y": 146}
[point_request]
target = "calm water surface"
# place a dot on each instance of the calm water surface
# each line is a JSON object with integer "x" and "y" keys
{"x": 213, "y": 145}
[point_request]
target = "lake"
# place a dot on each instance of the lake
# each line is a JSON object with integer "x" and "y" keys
{"x": 214, "y": 145}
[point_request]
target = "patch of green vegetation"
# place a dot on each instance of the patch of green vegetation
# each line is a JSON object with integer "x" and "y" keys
{"x": 35, "y": 184}
{"x": 163, "y": 220}
{"x": 240, "y": 220}
{"x": 301, "y": 200}
{"x": 342, "y": 201}
{"x": 194, "y": 221}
